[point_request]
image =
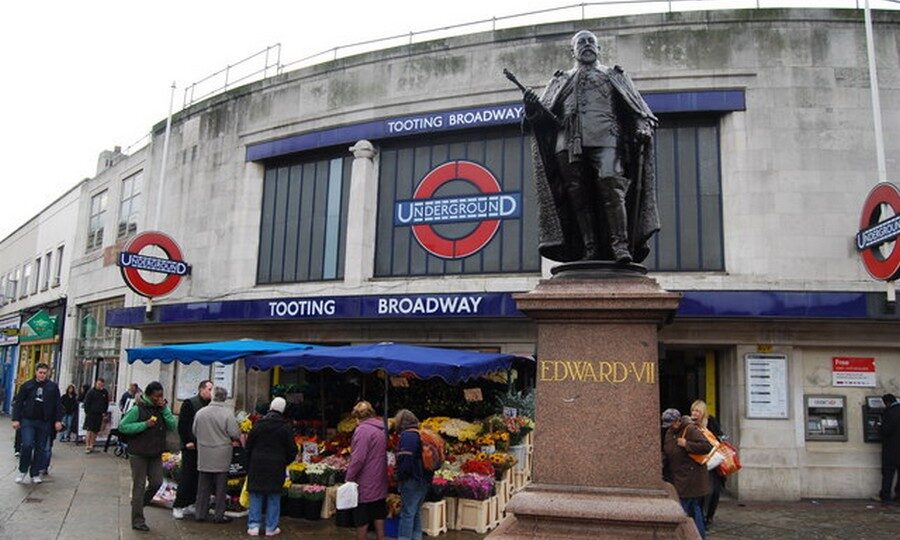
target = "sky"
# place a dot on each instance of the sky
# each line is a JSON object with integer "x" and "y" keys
{"x": 81, "y": 77}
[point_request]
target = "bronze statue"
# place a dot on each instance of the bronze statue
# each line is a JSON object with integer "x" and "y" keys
{"x": 593, "y": 161}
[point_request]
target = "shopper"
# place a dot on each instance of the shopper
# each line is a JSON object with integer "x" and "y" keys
{"x": 890, "y": 448}
{"x": 701, "y": 417}
{"x": 411, "y": 474}
{"x": 187, "y": 483}
{"x": 145, "y": 425}
{"x": 37, "y": 411}
{"x": 216, "y": 431}
{"x": 70, "y": 409}
{"x": 270, "y": 448}
{"x": 96, "y": 404}
{"x": 669, "y": 416}
{"x": 691, "y": 479}
{"x": 79, "y": 412}
{"x": 129, "y": 394}
{"x": 368, "y": 468}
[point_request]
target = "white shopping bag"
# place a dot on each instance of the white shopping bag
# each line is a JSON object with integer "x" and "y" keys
{"x": 347, "y": 496}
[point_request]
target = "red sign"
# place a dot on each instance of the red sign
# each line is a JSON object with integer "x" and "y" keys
{"x": 853, "y": 371}
{"x": 850, "y": 363}
{"x": 879, "y": 224}
{"x": 131, "y": 262}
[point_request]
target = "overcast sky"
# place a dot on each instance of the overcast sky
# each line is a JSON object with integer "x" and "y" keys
{"x": 81, "y": 77}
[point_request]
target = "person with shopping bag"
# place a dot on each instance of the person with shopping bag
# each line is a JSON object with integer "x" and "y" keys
{"x": 690, "y": 478}
{"x": 270, "y": 449}
{"x": 368, "y": 469}
{"x": 702, "y": 419}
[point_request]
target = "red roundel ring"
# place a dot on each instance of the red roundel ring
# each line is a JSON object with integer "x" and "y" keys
{"x": 883, "y": 268}
{"x": 132, "y": 275}
{"x": 473, "y": 242}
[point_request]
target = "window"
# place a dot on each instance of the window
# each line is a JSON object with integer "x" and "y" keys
{"x": 129, "y": 207}
{"x": 689, "y": 194}
{"x": 97, "y": 346}
{"x": 3, "y": 299}
{"x": 45, "y": 277}
{"x": 12, "y": 281}
{"x": 95, "y": 223}
{"x": 303, "y": 225}
{"x": 36, "y": 282}
{"x": 59, "y": 260}
{"x": 26, "y": 278}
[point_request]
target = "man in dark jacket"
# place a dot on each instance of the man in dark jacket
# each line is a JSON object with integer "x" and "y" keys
{"x": 270, "y": 448}
{"x": 146, "y": 424}
{"x": 37, "y": 410}
{"x": 187, "y": 484}
{"x": 96, "y": 404}
{"x": 890, "y": 447}
{"x": 691, "y": 479}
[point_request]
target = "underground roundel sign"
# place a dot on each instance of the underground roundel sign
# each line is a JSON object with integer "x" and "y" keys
{"x": 132, "y": 262}
{"x": 879, "y": 227}
{"x": 437, "y": 204}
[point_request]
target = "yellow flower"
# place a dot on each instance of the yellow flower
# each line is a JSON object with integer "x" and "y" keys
{"x": 347, "y": 425}
{"x": 286, "y": 484}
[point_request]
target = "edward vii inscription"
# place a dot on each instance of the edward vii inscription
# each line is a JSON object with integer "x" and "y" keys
{"x": 597, "y": 371}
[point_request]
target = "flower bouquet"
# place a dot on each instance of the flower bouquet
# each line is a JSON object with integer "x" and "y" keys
{"x": 297, "y": 472}
{"x": 320, "y": 473}
{"x": 339, "y": 466}
{"x": 439, "y": 489}
{"x": 171, "y": 463}
{"x": 481, "y": 465}
{"x": 393, "y": 505}
{"x": 518, "y": 428}
{"x": 474, "y": 486}
{"x": 502, "y": 462}
{"x": 347, "y": 425}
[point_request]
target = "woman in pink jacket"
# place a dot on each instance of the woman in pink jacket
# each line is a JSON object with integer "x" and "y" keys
{"x": 368, "y": 468}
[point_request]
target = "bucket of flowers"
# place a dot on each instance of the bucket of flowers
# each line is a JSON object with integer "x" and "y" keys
{"x": 292, "y": 504}
{"x": 314, "y": 497}
{"x": 474, "y": 486}
{"x": 392, "y": 523}
{"x": 320, "y": 473}
{"x": 502, "y": 462}
{"x": 297, "y": 472}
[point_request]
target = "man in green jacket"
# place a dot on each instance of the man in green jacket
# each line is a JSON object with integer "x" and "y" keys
{"x": 145, "y": 426}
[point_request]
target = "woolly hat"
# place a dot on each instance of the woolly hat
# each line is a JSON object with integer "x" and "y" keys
{"x": 669, "y": 417}
{"x": 278, "y": 404}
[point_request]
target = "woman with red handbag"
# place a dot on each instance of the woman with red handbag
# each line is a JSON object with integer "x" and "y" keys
{"x": 701, "y": 417}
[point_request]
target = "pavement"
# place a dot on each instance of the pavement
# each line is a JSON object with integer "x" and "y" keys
{"x": 88, "y": 496}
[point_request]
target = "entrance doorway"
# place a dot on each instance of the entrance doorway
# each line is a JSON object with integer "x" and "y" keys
{"x": 686, "y": 375}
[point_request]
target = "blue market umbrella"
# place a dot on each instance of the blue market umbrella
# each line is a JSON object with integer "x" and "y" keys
{"x": 223, "y": 352}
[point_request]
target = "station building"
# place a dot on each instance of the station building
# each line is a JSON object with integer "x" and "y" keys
{"x": 326, "y": 205}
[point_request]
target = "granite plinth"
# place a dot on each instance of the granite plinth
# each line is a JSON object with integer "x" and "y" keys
{"x": 597, "y": 461}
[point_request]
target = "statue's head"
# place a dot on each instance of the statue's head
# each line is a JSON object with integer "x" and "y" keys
{"x": 584, "y": 47}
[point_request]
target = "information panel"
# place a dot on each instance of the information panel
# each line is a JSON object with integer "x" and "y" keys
{"x": 767, "y": 386}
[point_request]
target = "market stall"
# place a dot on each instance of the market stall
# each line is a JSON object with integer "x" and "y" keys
{"x": 488, "y": 456}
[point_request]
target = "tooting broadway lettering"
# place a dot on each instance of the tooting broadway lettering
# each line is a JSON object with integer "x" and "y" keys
{"x": 428, "y": 305}
{"x": 597, "y": 371}
{"x": 437, "y": 122}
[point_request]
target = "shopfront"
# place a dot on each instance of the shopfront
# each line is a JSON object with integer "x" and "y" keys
{"x": 40, "y": 338}
{"x": 9, "y": 340}
{"x": 97, "y": 346}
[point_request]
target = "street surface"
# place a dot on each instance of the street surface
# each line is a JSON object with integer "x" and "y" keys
{"x": 88, "y": 496}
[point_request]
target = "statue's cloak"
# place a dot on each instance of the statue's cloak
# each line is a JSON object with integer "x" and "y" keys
{"x": 560, "y": 239}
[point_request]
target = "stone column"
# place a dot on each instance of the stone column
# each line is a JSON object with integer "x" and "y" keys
{"x": 597, "y": 458}
{"x": 359, "y": 263}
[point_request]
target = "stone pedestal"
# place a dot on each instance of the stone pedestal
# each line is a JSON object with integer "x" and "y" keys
{"x": 597, "y": 461}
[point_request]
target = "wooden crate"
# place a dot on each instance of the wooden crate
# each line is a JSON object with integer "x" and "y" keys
{"x": 495, "y": 512}
{"x": 451, "y": 503}
{"x": 434, "y": 518}
{"x": 503, "y": 492}
{"x": 474, "y": 515}
{"x": 520, "y": 479}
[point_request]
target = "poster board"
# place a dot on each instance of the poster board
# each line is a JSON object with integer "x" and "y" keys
{"x": 223, "y": 376}
{"x": 767, "y": 385}
{"x": 188, "y": 379}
